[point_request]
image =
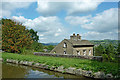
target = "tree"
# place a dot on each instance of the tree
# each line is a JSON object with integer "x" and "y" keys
{"x": 0, "y": 36}
{"x": 99, "y": 50}
{"x": 50, "y": 47}
{"x": 109, "y": 53}
{"x": 15, "y": 36}
{"x": 34, "y": 35}
{"x": 118, "y": 49}
{"x": 37, "y": 46}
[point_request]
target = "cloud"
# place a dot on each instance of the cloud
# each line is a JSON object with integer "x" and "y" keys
{"x": 77, "y": 20}
{"x": 105, "y": 21}
{"x": 7, "y": 7}
{"x": 48, "y": 8}
{"x": 49, "y": 28}
{"x": 101, "y": 26}
{"x": 92, "y": 35}
{"x": 18, "y": 0}
{"x": 51, "y": 8}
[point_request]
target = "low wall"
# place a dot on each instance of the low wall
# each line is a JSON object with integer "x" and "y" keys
{"x": 98, "y": 58}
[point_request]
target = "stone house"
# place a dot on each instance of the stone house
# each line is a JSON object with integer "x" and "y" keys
{"x": 75, "y": 46}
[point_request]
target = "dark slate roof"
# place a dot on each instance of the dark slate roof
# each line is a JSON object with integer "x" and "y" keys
{"x": 79, "y": 42}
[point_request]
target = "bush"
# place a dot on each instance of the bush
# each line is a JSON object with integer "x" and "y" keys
{"x": 37, "y": 47}
{"x": 24, "y": 51}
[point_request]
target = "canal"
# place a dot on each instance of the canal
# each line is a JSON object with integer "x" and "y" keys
{"x": 19, "y": 71}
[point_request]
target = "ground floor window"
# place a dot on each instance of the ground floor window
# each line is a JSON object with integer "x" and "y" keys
{"x": 84, "y": 52}
{"x": 78, "y": 52}
{"x": 89, "y": 52}
{"x": 54, "y": 52}
{"x": 64, "y": 52}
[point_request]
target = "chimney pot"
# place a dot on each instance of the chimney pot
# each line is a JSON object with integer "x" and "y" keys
{"x": 73, "y": 34}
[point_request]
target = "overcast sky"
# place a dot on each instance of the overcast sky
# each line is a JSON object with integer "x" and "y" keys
{"x": 55, "y": 21}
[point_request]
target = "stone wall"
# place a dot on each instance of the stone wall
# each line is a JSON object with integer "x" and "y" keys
{"x": 98, "y": 58}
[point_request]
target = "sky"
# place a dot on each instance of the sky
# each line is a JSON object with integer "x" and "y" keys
{"x": 55, "y": 21}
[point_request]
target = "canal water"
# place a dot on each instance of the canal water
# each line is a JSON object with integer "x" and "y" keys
{"x": 19, "y": 71}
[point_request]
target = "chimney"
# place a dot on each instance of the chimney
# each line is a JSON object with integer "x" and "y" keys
{"x": 78, "y": 37}
{"x": 73, "y": 37}
{"x": 73, "y": 34}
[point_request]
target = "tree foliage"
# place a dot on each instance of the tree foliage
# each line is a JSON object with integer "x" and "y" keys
{"x": 99, "y": 50}
{"x": 37, "y": 46}
{"x": 118, "y": 49}
{"x": 109, "y": 52}
{"x": 0, "y": 36}
{"x": 34, "y": 35}
{"x": 50, "y": 47}
{"x": 15, "y": 36}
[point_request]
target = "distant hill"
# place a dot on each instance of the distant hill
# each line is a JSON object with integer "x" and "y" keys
{"x": 49, "y": 44}
{"x": 105, "y": 42}
{"x": 95, "y": 42}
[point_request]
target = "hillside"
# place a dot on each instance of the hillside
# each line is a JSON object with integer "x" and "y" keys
{"x": 105, "y": 42}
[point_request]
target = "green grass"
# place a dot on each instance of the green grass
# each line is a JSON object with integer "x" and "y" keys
{"x": 107, "y": 67}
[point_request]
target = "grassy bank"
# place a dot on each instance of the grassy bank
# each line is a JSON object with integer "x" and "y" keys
{"x": 94, "y": 66}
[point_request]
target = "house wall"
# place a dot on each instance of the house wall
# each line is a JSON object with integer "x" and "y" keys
{"x": 60, "y": 48}
{"x": 75, "y": 50}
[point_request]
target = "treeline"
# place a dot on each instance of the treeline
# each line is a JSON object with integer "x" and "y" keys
{"x": 16, "y": 38}
{"x": 108, "y": 52}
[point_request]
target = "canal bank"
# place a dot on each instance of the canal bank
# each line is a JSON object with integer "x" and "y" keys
{"x": 61, "y": 69}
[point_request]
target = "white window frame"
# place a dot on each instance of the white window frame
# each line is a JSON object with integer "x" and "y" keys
{"x": 89, "y": 52}
{"x": 65, "y": 52}
{"x": 65, "y": 45}
{"x": 84, "y": 52}
{"x": 78, "y": 52}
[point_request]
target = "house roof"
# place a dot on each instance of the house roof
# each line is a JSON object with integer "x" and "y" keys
{"x": 80, "y": 42}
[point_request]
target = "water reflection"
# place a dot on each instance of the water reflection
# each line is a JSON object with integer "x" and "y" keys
{"x": 14, "y": 71}
{"x": 19, "y": 71}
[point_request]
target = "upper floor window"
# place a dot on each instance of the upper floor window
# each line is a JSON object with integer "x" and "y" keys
{"x": 65, "y": 45}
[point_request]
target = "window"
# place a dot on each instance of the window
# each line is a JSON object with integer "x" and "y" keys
{"x": 78, "y": 52}
{"x": 54, "y": 52}
{"x": 65, "y": 45}
{"x": 84, "y": 52}
{"x": 89, "y": 52}
{"x": 64, "y": 52}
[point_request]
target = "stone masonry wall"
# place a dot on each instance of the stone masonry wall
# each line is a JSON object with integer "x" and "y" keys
{"x": 98, "y": 58}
